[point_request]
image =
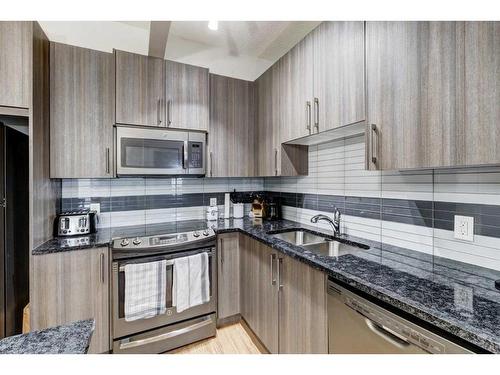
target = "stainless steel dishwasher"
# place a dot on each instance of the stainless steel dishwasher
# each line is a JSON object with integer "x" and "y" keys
{"x": 358, "y": 326}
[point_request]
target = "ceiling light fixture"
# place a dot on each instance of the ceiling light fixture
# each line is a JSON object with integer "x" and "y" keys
{"x": 213, "y": 25}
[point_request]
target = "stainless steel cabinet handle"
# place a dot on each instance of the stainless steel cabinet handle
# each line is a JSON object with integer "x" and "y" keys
{"x": 280, "y": 273}
{"x": 308, "y": 116}
{"x": 107, "y": 160}
{"x": 221, "y": 251}
{"x": 373, "y": 134}
{"x": 158, "y": 109}
{"x": 276, "y": 162}
{"x": 102, "y": 264}
{"x": 211, "y": 164}
{"x": 169, "y": 111}
{"x": 273, "y": 279}
{"x": 316, "y": 114}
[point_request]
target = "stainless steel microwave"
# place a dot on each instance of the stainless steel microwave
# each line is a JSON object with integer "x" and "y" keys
{"x": 149, "y": 151}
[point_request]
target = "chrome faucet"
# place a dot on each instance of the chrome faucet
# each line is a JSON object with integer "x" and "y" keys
{"x": 335, "y": 223}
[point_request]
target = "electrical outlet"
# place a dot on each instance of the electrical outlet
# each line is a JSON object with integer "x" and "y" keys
{"x": 464, "y": 297}
{"x": 95, "y": 207}
{"x": 464, "y": 228}
{"x": 213, "y": 201}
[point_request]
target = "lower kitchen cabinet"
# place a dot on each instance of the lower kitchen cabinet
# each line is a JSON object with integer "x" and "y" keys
{"x": 259, "y": 292}
{"x": 70, "y": 286}
{"x": 283, "y": 300}
{"x": 303, "y": 308}
{"x": 228, "y": 259}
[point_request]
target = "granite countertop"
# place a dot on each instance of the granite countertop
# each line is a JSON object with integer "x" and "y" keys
{"x": 456, "y": 297}
{"x": 73, "y": 338}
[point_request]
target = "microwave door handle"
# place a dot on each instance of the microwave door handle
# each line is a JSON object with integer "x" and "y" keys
{"x": 185, "y": 155}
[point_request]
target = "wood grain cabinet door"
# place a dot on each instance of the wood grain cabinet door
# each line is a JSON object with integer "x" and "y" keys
{"x": 71, "y": 286}
{"x": 303, "y": 319}
{"x": 16, "y": 51}
{"x": 339, "y": 88}
{"x": 267, "y": 124}
{"x": 228, "y": 256}
{"x": 259, "y": 291}
{"x": 140, "y": 89}
{"x": 187, "y": 96}
{"x": 296, "y": 91}
{"x": 232, "y": 126}
{"x": 482, "y": 93}
{"x": 414, "y": 73}
{"x": 81, "y": 112}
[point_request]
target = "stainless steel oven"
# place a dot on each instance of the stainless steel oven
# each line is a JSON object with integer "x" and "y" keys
{"x": 171, "y": 329}
{"x": 158, "y": 151}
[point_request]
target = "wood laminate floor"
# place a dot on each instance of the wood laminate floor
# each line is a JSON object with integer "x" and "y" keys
{"x": 231, "y": 339}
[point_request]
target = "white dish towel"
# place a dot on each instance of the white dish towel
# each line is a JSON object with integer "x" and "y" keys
{"x": 191, "y": 282}
{"x": 145, "y": 290}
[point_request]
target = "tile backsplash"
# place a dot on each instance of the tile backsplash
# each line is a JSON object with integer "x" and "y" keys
{"x": 413, "y": 210}
{"x": 137, "y": 201}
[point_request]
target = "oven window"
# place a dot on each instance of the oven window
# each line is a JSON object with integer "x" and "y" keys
{"x": 151, "y": 153}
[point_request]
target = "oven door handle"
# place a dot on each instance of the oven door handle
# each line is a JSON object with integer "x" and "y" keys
{"x": 168, "y": 263}
{"x": 181, "y": 331}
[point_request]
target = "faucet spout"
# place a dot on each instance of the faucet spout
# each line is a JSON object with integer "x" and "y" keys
{"x": 335, "y": 223}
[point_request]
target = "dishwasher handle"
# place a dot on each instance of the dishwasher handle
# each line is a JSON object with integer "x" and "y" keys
{"x": 387, "y": 334}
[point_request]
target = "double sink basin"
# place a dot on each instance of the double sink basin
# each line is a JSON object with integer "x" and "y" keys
{"x": 321, "y": 245}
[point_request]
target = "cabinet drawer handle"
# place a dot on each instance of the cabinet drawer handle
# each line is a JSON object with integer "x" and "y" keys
{"x": 101, "y": 260}
{"x": 308, "y": 116}
{"x": 107, "y": 160}
{"x": 211, "y": 164}
{"x": 221, "y": 241}
{"x": 273, "y": 278}
{"x": 280, "y": 273}
{"x": 158, "y": 107}
{"x": 373, "y": 134}
{"x": 316, "y": 114}
{"x": 169, "y": 111}
{"x": 276, "y": 162}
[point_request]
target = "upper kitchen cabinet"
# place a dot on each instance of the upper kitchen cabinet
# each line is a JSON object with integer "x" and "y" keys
{"x": 81, "y": 112}
{"x": 414, "y": 93}
{"x": 16, "y": 50}
{"x": 140, "y": 89}
{"x": 482, "y": 93}
{"x": 339, "y": 66}
{"x": 272, "y": 158}
{"x": 187, "y": 93}
{"x": 231, "y": 131}
{"x": 295, "y": 71}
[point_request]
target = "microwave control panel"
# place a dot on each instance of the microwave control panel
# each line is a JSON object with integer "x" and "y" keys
{"x": 195, "y": 155}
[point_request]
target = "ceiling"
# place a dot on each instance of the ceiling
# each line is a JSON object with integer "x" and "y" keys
{"x": 240, "y": 49}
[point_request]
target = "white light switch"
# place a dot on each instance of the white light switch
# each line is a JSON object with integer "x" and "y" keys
{"x": 213, "y": 202}
{"x": 464, "y": 228}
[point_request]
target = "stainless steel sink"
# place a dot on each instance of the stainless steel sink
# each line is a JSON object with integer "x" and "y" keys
{"x": 334, "y": 248}
{"x": 299, "y": 237}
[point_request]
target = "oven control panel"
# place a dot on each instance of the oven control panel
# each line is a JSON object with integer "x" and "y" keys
{"x": 164, "y": 240}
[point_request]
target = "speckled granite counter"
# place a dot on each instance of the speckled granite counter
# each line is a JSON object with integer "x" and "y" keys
{"x": 429, "y": 288}
{"x": 73, "y": 338}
